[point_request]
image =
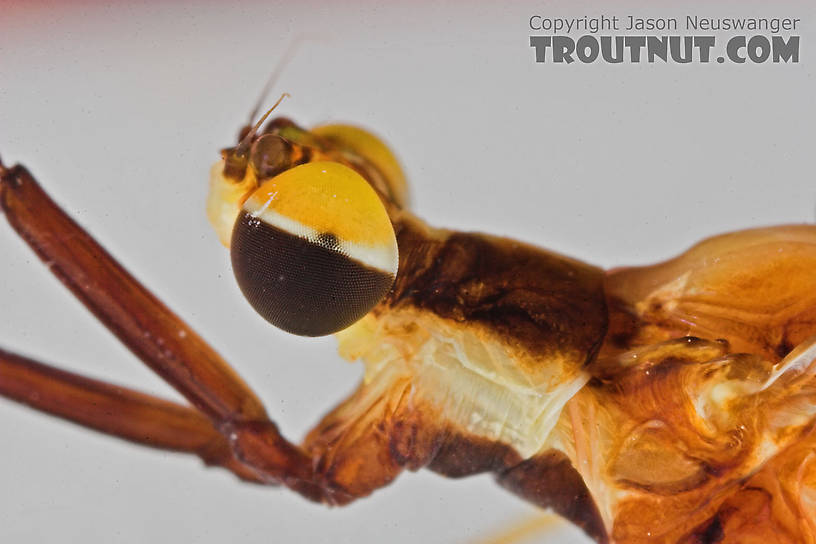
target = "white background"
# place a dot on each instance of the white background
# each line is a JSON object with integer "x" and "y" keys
{"x": 120, "y": 110}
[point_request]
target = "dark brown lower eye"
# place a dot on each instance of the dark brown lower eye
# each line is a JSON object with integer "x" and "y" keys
{"x": 303, "y": 286}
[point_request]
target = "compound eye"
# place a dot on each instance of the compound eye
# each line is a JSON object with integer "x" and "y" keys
{"x": 313, "y": 249}
{"x": 270, "y": 155}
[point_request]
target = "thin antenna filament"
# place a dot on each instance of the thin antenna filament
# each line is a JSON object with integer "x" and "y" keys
{"x": 273, "y": 77}
{"x": 244, "y": 144}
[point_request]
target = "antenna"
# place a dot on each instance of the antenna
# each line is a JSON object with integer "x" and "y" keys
{"x": 287, "y": 57}
{"x": 243, "y": 145}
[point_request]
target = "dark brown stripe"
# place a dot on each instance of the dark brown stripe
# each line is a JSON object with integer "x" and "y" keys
{"x": 550, "y": 481}
{"x": 300, "y": 286}
{"x": 545, "y": 303}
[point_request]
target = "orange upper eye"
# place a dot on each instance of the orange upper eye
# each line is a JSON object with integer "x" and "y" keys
{"x": 313, "y": 249}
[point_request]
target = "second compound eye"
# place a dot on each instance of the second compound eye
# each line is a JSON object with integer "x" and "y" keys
{"x": 270, "y": 155}
{"x": 313, "y": 249}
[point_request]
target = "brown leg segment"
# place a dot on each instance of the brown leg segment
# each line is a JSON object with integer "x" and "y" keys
{"x": 146, "y": 326}
{"x": 116, "y": 411}
{"x": 157, "y": 336}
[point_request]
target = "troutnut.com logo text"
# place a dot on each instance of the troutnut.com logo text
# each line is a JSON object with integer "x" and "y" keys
{"x": 675, "y": 40}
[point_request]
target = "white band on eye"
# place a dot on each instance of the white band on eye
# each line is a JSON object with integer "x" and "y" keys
{"x": 381, "y": 257}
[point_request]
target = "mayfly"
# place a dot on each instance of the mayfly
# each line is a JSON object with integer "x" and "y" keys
{"x": 671, "y": 402}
